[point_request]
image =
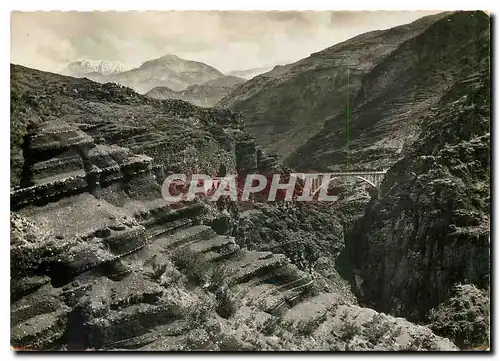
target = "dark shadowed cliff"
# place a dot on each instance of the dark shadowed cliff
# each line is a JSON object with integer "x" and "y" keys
{"x": 429, "y": 230}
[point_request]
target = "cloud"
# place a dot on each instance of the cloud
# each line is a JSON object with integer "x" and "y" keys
{"x": 226, "y": 40}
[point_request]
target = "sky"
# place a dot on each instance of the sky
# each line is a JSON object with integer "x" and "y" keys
{"x": 227, "y": 40}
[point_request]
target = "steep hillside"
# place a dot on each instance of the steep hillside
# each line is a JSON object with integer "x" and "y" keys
{"x": 205, "y": 95}
{"x": 383, "y": 115}
{"x": 169, "y": 70}
{"x": 249, "y": 73}
{"x": 99, "y": 261}
{"x": 376, "y": 85}
{"x": 430, "y": 229}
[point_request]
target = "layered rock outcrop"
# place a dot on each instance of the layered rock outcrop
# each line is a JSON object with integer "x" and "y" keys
{"x": 178, "y": 135}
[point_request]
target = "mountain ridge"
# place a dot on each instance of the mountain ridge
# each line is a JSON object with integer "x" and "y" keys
{"x": 84, "y": 67}
{"x": 206, "y": 94}
{"x": 168, "y": 70}
{"x": 302, "y": 103}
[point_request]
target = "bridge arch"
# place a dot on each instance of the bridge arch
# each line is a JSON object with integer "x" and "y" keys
{"x": 324, "y": 185}
{"x": 372, "y": 178}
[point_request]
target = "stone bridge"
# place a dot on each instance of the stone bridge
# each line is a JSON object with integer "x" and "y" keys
{"x": 373, "y": 178}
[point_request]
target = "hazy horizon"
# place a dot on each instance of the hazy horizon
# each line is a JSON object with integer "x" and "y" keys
{"x": 226, "y": 40}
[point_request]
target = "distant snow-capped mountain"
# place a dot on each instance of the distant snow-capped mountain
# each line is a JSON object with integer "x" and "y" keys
{"x": 168, "y": 71}
{"x": 101, "y": 67}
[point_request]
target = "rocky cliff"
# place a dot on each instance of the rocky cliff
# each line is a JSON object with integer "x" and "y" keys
{"x": 175, "y": 133}
{"x": 100, "y": 261}
{"x": 429, "y": 230}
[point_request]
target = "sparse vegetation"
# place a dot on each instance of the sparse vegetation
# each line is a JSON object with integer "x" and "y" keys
{"x": 218, "y": 277}
{"x": 307, "y": 328}
{"x": 109, "y": 265}
{"x": 201, "y": 313}
{"x": 349, "y": 330}
{"x": 191, "y": 264}
{"x": 464, "y": 317}
{"x": 227, "y": 304}
{"x": 377, "y": 328}
{"x": 349, "y": 327}
{"x": 419, "y": 343}
{"x": 158, "y": 270}
{"x": 271, "y": 326}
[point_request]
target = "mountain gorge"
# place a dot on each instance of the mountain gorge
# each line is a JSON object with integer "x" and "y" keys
{"x": 100, "y": 261}
{"x": 430, "y": 228}
{"x": 414, "y": 99}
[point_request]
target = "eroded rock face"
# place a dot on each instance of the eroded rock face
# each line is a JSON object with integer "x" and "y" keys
{"x": 306, "y": 233}
{"x": 430, "y": 228}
